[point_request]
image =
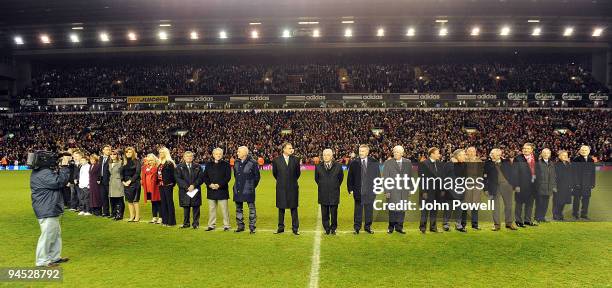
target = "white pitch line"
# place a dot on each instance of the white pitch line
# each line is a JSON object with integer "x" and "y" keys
{"x": 316, "y": 254}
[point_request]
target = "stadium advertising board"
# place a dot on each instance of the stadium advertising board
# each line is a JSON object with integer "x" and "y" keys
{"x": 67, "y": 101}
{"x": 28, "y": 102}
{"x": 147, "y": 99}
{"x": 305, "y": 98}
{"x": 544, "y": 96}
{"x": 476, "y": 97}
{"x": 195, "y": 99}
{"x": 598, "y": 97}
{"x": 108, "y": 100}
{"x": 517, "y": 96}
{"x": 571, "y": 96}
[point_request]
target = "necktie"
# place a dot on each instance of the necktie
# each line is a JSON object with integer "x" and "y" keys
{"x": 287, "y": 161}
{"x": 435, "y": 167}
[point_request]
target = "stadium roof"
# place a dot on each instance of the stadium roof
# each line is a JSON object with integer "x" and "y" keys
{"x": 24, "y": 24}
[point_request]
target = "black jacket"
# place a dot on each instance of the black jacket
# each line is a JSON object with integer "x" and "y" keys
{"x": 523, "y": 178}
{"x": 429, "y": 169}
{"x": 491, "y": 175}
{"x": 104, "y": 172}
{"x": 363, "y": 189}
{"x": 47, "y": 186}
{"x": 329, "y": 182}
{"x": 186, "y": 177}
{"x": 585, "y": 175}
{"x": 246, "y": 179}
{"x": 131, "y": 171}
{"x": 287, "y": 188}
{"x": 167, "y": 173}
{"x": 217, "y": 173}
{"x": 566, "y": 180}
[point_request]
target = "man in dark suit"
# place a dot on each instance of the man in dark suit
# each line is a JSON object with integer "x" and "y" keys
{"x": 566, "y": 180}
{"x": 329, "y": 176}
{"x": 431, "y": 168}
{"x": 189, "y": 177}
{"x": 524, "y": 185}
{"x": 104, "y": 180}
{"x": 286, "y": 171}
{"x": 584, "y": 168}
{"x": 546, "y": 184}
{"x": 360, "y": 183}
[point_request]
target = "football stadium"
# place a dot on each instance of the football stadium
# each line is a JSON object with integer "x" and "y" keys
{"x": 199, "y": 143}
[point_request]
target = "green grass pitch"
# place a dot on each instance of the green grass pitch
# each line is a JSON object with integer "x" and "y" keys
{"x": 111, "y": 254}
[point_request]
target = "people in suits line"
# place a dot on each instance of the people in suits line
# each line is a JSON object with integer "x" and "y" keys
{"x": 475, "y": 169}
{"x": 360, "y": 183}
{"x": 394, "y": 167}
{"x": 246, "y": 179}
{"x": 329, "y": 176}
{"x": 458, "y": 170}
{"x": 217, "y": 176}
{"x": 286, "y": 171}
{"x": 189, "y": 177}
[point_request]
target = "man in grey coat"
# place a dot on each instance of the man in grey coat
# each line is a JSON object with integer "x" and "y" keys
{"x": 48, "y": 205}
{"x": 398, "y": 166}
{"x": 546, "y": 184}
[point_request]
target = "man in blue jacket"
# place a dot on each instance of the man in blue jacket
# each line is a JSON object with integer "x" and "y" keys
{"x": 47, "y": 202}
{"x": 246, "y": 175}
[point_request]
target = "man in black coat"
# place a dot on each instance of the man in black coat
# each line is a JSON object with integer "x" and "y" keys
{"x": 189, "y": 177}
{"x": 104, "y": 180}
{"x": 217, "y": 176}
{"x": 329, "y": 176}
{"x": 584, "y": 168}
{"x": 360, "y": 183}
{"x": 286, "y": 171}
{"x": 524, "y": 186}
{"x": 565, "y": 185}
{"x": 436, "y": 171}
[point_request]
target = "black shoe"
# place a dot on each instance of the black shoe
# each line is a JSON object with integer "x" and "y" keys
{"x": 279, "y": 231}
{"x": 423, "y": 230}
{"x": 519, "y": 224}
{"x": 296, "y": 232}
{"x": 585, "y": 217}
{"x": 239, "y": 230}
{"x": 226, "y": 228}
{"x": 446, "y": 228}
{"x": 252, "y": 231}
{"x": 185, "y": 226}
{"x": 400, "y": 231}
{"x": 462, "y": 229}
{"x": 196, "y": 227}
{"x": 327, "y": 232}
{"x": 333, "y": 232}
{"x": 475, "y": 227}
{"x": 390, "y": 231}
{"x": 531, "y": 224}
{"x": 435, "y": 230}
{"x": 211, "y": 228}
{"x": 369, "y": 231}
{"x": 356, "y": 232}
{"x": 61, "y": 260}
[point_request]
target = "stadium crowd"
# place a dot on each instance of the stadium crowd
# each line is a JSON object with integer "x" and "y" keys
{"x": 132, "y": 79}
{"x": 310, "y": 131}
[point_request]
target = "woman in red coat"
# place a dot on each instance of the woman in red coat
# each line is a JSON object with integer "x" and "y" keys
{"x": 95, "y": 198}
{"x": 151, "y": 187}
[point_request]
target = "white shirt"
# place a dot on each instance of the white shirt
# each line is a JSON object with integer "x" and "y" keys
{"x": 84, "y": 176}
{"x": 286, "y": 159}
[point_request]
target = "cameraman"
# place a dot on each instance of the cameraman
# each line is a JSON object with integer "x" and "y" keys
{"x": 46, "y": 185}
